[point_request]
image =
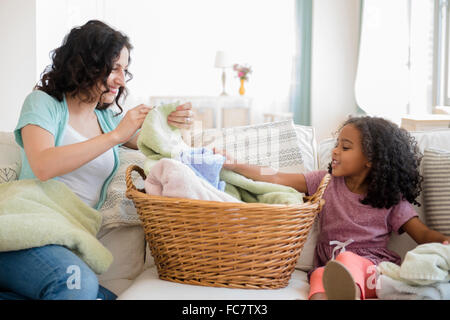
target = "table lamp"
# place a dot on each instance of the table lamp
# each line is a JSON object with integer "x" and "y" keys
{"x": 222, "y": 61}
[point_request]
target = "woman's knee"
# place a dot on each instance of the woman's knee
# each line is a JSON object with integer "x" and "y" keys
{"x": 70, "y": 278}
{"x": 73, "y": 282}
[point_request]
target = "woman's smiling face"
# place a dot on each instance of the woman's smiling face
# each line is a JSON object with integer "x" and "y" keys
{"x": 348, "y": 158}
{"x": 116, "y": 78}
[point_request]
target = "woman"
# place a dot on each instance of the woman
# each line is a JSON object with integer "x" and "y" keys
{"x": 68, "y": 132}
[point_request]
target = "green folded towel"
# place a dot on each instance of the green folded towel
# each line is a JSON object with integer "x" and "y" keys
{"x": 424, "y": 265}
{"x": 158, "y": 139}
{"x": 35, "y": 213}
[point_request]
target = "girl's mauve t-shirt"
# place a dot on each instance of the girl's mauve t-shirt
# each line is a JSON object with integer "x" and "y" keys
{"x": 343, "y": 217}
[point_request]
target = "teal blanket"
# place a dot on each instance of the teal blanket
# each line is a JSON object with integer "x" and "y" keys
{"x": 35, "y": 213}
{"x": 158, "y": 139}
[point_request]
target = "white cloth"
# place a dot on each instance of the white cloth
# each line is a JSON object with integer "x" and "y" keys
{"x": 392, "y": 289}
{"x": 87, "y": 181}
{"x": 426, "y": 264}
{"x": 172, "y": 178}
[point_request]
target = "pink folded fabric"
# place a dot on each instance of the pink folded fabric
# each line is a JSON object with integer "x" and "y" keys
{"x": 172, "y": 178}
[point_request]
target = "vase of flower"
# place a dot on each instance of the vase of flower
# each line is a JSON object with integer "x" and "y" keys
{"x": 242, "y": 74}
{"x": 242, "y": 89}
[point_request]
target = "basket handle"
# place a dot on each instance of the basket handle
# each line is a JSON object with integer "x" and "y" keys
{"x": 317, "y": 196}
{"x": 129, "y": 180}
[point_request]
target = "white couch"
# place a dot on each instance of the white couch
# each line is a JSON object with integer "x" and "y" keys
{"x": 133, "y": 274}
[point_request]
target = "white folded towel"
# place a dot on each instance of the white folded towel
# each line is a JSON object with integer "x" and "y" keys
{"x": 172, "y": 178}
{"x": 392, "y": 289}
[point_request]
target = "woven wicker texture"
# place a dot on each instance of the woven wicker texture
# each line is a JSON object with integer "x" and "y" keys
{"x": 224, "y": 244}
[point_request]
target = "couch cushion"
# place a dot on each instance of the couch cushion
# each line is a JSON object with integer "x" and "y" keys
{"x": 436, "y": 184}
{"x": 127, "y": 245}
{"x": 149, "y": 287}
{"x": 9, "y": 150}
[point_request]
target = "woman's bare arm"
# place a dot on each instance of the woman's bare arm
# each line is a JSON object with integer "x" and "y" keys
{"x": 47, "y": 161}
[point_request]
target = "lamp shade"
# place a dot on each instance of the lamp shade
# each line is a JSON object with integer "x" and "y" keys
{"x": 222, "y": 60}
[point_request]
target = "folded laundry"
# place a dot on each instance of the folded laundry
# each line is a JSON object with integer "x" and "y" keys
{"x": 205, "y": 164}
{"x": 426, "y": 264}
{"x": 172, "y": 178}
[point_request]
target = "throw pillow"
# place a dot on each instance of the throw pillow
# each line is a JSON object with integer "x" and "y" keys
{"x": 9, "y": 172}
{"x": 436, "y": 189}
{"x": 118, "y": 210}
{"x": 273, "y": 144}
{"x": 307, "y": 141}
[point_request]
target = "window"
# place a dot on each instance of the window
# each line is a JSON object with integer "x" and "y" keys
{"x": 175, "y": 42}
{"x": 395, "y": 67}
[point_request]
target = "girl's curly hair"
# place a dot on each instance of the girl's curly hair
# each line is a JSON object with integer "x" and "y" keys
{"x": 83, "y": 61}
{"x": 395, "y": 159}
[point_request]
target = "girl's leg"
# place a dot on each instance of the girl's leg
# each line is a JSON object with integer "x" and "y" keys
{"x": 49, "y": 272}
{"x": 357, "y": 268}
{"x": 316, "y": 290}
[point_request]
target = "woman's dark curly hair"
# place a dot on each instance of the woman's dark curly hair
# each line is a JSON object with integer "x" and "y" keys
{"x": 395, "y": 159}
{"x": 83, "y": 61}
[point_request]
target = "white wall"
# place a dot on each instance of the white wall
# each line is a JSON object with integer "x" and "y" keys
{"x": 17, "y": 57}
{"x": 334, "y": 60}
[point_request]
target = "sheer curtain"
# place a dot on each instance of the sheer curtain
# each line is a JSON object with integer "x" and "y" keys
{"x": 395, "y": 64}
{"x": 301, "y": 84}
{"x": 175, "y": 42}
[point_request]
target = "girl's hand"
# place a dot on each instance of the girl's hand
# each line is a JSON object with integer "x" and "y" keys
{"x": 131, "y": 122}
{"x": 445, "y": 242}
{"x": 182, "y": 117}
{"x": 229, "y": 163}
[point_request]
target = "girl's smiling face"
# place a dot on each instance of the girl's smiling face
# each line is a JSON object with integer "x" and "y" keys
{"x": 348, "y": 159}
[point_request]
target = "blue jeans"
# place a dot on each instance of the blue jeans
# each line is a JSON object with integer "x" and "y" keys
{"x": 50, "y": 272}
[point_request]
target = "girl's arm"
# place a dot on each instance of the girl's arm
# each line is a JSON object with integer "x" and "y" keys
{"x": 266, "y": 174}
{"x": 421, "y": 233}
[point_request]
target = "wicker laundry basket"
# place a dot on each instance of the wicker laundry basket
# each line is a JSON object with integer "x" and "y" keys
{"x": 224, "y": 244}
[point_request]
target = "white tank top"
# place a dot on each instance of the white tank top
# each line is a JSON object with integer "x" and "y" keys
{"x": 87, "y": 181}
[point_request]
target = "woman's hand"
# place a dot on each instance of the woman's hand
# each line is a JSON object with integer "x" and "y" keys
{"x": 131, "y": 122}
{"x": 182, "y": 116}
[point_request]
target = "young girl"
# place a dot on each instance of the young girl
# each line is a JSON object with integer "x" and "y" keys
{"x": 68, "y": 132}
{"x": 375, "y": 180}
